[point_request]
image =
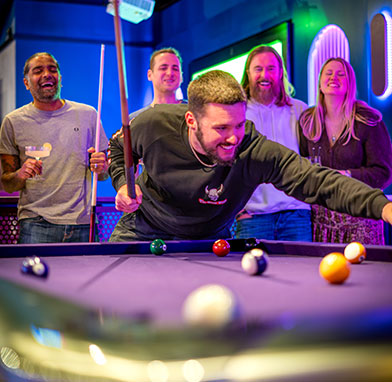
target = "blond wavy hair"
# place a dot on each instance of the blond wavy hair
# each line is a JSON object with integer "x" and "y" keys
{"x": 312, "y": 120}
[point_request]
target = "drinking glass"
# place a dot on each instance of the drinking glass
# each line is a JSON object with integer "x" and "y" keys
{"x": 37, "y": 152}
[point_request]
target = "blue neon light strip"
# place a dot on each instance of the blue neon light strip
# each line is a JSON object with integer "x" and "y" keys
{"x": 388, "y": 52}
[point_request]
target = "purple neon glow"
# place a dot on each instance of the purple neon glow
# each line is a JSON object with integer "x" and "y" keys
{"x": 388, "y": 58}
{"x": 331, "y": 41}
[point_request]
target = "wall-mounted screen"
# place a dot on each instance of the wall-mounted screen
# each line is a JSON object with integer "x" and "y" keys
{"x": 232, "y": 58}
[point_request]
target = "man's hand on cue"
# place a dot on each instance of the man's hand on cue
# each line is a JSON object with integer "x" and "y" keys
{"x": 98, "y": 161}
{"x": 124, "y": 203}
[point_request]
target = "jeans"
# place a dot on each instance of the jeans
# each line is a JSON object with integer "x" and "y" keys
{"x": 38, "y": 230}
{"x": 293, "y": 225}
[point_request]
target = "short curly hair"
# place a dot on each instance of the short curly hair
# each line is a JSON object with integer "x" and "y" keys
{"x": 215, "y": 86}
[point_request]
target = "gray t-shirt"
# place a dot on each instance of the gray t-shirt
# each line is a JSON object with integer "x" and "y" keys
{"x": 63, "y": 194}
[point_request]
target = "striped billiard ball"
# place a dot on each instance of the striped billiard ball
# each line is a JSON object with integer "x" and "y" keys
{"x": 255, "y": 261}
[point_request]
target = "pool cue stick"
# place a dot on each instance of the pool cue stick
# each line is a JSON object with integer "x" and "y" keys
{"x": 128, "y": 159}
{"x": 97, "y": 137}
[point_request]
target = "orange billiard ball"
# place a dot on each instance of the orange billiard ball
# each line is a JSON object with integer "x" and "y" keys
{"x": 355, "y": 252}
{"x": 221, "y": 247}
{"x": 335, "y": 268}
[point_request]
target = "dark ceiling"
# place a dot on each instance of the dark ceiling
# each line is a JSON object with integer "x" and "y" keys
{"x": 159, "y": 4}
{"x": 5, "y": 6}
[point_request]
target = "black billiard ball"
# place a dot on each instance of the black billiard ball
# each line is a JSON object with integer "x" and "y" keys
{"x": 255, "y": 262}
{"x": 158, "y": 247}
{"x": 251, "y": 243}
{"x": 34, "y": 266}
{"x": 221, "y": 247}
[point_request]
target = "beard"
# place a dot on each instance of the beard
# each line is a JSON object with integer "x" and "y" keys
{"x": 212, "y": 154}
{"x": 264, "y": 96}
{"x": 46, "y": 95}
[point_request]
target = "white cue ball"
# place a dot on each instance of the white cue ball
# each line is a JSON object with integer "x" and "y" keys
{"x": 38, "y": 269}
{"x": 211, "y": 305}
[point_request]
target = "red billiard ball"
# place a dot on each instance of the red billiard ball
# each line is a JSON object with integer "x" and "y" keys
{"x": 221, "y": 247}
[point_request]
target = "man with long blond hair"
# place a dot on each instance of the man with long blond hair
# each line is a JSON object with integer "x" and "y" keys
{"x": 270, "y": 213}
{"x": 348, "y": 135}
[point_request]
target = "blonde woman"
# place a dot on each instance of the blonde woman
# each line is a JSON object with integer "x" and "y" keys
{"x": 348, "y": 135}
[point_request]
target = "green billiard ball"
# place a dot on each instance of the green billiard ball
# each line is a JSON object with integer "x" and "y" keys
{"x": 158, "y": 247}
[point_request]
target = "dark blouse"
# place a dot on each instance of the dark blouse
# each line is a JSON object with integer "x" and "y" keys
{"x": 369, "y": 159}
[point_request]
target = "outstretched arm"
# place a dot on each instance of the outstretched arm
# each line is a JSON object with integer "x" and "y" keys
{"x": 315, "y": 184}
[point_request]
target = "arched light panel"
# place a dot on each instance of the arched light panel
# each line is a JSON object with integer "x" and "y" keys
{"x": 381, "y": 54}
{"x": 331, "y": 41}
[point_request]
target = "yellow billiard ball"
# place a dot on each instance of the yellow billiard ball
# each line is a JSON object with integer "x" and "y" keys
{"x": 335, "y": 268}
{"x": 355, "y": 252}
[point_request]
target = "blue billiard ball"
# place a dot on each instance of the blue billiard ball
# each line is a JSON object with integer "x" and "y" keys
{"x": 158, "y": 247}
{"x": 255, "y": 262}
{"x": 34, "y": 266}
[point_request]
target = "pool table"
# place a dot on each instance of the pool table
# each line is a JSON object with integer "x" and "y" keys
{"x": 113, "y": 312}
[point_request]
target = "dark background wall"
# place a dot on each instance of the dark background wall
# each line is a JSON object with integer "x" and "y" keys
{"x": 73, "y": 32}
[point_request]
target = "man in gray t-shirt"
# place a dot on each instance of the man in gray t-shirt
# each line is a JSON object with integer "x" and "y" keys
{"x": 55, "y": 190}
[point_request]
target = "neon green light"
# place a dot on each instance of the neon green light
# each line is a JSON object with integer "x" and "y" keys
{"x": 236, "y": 65}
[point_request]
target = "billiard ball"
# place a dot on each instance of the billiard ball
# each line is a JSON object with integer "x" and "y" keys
{"x": 251, "y": 243}
{"x": 355, "y": 252}
{"x": 35, "y": 266}
{"x": 211, "y": 306}
{"x": 221, "y": 247}
{"x": 335, "y": 268}
{"x": 255, "y": 261}
{"x": 158, "y": 247}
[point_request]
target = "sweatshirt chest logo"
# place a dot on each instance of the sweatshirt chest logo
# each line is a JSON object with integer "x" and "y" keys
{"x": 212, "y": 195}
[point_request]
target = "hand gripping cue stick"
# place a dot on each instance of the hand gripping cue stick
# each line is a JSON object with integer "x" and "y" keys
{"x": 128, "y": 159}
{"x": 97, "y": 133}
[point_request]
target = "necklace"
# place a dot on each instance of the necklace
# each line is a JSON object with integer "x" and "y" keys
{"x": 195, "y": 153}
{"x": 335, "y": 128}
